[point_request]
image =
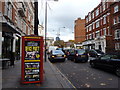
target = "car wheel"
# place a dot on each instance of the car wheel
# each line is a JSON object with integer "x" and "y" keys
{"x": 117, "y": 72}
{"x": 92, "y": 64}
{"x": 75, "y": 60}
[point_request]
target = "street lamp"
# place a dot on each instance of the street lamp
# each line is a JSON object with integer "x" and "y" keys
{"x": 58, "y": 34}
{"x": 46, "y": 26}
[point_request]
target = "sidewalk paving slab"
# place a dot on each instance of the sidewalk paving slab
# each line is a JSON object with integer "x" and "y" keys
{"x": 53, "y": 78}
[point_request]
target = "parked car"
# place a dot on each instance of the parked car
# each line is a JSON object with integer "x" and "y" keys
{"x": 81, "y": 55}
{"x": 71, "y": 54}
{"x": 111, "y": 62}
{"x": 93, "y": 53}
{"x": 56, "y": 55}
{"x": 66, "y": 51}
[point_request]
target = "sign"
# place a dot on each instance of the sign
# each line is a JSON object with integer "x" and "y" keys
{"x": 32, "y": 59}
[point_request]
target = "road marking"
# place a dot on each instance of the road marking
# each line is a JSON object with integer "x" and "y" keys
{"x": 66, "y": 78}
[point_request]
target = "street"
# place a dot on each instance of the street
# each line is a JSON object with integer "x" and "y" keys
{"x": 81, "y": 75}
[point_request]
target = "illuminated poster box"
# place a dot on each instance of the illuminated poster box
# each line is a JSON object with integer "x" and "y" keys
{"x": 32, "y": 59}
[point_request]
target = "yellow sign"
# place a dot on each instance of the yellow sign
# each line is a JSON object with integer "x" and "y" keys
{"x": 32, "y": 61}
{"x": 33, "y": 37}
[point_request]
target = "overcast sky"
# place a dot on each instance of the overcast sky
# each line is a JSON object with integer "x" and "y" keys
{"x": 63, "y": 13}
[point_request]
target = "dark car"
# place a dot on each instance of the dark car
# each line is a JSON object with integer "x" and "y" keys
{"x": 81, "y": 55}
{"x": 71, "y": 54}
{"x": 57, "y": 55}
{"x": 93, "y": 53}
{"x": 110, "y": 62}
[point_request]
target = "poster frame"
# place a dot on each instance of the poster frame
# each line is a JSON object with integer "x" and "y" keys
{"x": 31, "y": 38}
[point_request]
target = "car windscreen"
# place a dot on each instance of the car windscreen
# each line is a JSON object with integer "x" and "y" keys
{"x": 81, "y": 51}
{"x": 58, "y": 52}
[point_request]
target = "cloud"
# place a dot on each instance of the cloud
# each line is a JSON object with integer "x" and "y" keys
{"x": 63, "y": 14}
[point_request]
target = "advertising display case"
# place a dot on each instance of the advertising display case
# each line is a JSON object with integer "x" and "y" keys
{"x": 32, "y": 59}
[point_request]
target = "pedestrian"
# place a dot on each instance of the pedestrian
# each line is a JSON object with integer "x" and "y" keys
{"x": 12, "y": 58}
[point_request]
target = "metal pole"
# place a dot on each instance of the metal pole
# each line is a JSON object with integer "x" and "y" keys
{"x": 36, "y": 21}
{"x": 45, "y": 29}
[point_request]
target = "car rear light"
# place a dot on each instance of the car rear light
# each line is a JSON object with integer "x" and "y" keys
{"x": 53, "y": 56}
{"x": 64, "y": 55}
{"x": 76, "y": 54}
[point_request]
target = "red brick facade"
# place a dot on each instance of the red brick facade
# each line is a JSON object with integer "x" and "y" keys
{"x": 79, "y": 30}
{"x": 100, "y": 27}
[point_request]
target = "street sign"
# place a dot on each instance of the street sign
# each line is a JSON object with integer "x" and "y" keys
{"x": 32, "y": 59}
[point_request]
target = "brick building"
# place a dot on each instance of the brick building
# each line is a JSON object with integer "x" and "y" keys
{"x": 16, "y": 20}
{"x": 115, "y": 25}
{"x": 103, "y": 27}
{"x": 98, "y": 32}
{"x": 79, "y": 31}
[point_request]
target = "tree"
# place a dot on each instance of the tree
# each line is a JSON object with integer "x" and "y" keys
{"x": 59, "y": 43}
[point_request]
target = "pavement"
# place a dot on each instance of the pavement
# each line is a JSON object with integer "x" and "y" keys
{"x": 53, "y": 78}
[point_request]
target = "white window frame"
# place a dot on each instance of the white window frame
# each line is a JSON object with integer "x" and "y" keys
{"x": 93, "y": 15}
{"x": 97, "y": 34}
{"x": 115, "y": 21}
{"x": 104, "y": 6}
{"x": 116, "y": 8}
{"x": 117, "y": 46}
{"x": 104, "y": 31}
{"x": 97, "y": 12}
{"x": 89, "y": 16}
{"x": 97, "y": 24}
{"x": 104, "y": 19}
{"x": 118, "y": 19}
{"x": 117, "y": 34}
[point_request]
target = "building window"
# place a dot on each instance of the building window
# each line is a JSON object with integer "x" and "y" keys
{"x": 93, "y": 34}
{"x": 104, "y": 31}
{"x": 86, "y": 20}
{"x": 108, "y": 30}
{"x": 117, "y": 34}
{"x": 104, "y": 20}
{"x": 100, "y": 9}
{"x": 103, "y": 6}
{"x": 87, "y": 37}
{"x": 117, "y": 46}
{"x": 90, "y": 28}
{"x": 118, "y": 19}
{"x": 93, "y": 26}
{"x": 87, "y": 29}
{"x": 97, "y": 12}
{"x": 115, "y": 20}
{"x": 90, "y": 36}
{"x": 97, "y": 34}
{"x": 92, "y": 15}
{"x": 89, "y": 16}
{"x": 97, "y": 24}
{"x": 116, "y": 9}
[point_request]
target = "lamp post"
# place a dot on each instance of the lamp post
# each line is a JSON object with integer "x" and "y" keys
{"x": 46, "y": 27}
{"x": 58, "y": 34}
{"x": 36, "y": 21}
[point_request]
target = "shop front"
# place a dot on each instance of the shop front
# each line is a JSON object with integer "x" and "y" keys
{"x": 10, "y": 41}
